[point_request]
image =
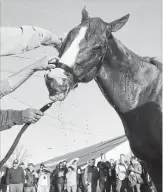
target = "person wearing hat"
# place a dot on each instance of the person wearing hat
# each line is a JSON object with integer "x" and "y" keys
{"x": 30, "y": 178}
{"x": 15, "y": 177}
{"x": 16, "y": 41}
{"x": 71, "y": 175}
{"x": 91, "y": 176}
{"x": 22, "y": 165}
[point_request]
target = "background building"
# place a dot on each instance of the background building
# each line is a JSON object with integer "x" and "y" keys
{"x": 112, "y": 148}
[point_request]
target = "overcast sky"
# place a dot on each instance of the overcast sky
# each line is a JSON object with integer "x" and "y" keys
{"x": 85, "y": 117}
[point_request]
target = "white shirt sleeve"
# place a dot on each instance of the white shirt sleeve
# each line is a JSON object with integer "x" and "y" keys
{"x": 19, "y": 40}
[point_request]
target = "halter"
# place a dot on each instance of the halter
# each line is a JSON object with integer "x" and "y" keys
{"x": 77, "y": 79}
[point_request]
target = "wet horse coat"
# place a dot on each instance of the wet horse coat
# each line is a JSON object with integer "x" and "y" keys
{"x": 130, "y": 83}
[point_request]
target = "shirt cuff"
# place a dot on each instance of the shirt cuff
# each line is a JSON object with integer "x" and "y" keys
{"x": 5, "y": 88}
{"x": 16, "y": 117}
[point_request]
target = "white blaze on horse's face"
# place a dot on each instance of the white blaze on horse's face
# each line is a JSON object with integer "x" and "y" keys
{"x": 56, "y": 79}
{"x": 69, "y": 57}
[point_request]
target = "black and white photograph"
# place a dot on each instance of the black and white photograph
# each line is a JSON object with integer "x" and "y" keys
{"x": 80, "y": 96}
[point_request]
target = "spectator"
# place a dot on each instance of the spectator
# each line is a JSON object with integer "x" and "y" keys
{"x": 71, "y": 176}
{"x": 103, "y": 166}
{"x": 3, "y": 176}
{"x": 15, "y": 178}
{"x": 135, "y": 171}
{"x": 53, "y": 181}
{"x": 64, "y": 164}
{"x": 23, "y": 166}
{"x": 121, "y": 174}
{"x": 111, "y": 179}
{"x": 91, "y": 176}
{"x": 30, "y": 179}
{"x": 80, "y": 179}
{"x": 59, "y": 174}
{"x": 43, "y": 184}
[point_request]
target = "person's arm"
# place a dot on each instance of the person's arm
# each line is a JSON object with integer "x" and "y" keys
{"x": 17, "y": 79}
{"x": 99, "y": 164}
{"x": 116, "y": 169}
{"x": 86, "y": 175}
{"x": 19, "y": 40}
{"x": 138, "y": 169}
{"x": 23, "y": 176}
{"x": 107, "y": 165}
{"x": 9, "y": 118}
{"x": 73, "y": 163}
{"x": 55, "y": 172}
{"x": 8, "y": 177}
{"x": 20, "y": 77}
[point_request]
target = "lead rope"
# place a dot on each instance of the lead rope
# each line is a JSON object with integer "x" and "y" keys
{"x": 19, "y": 135}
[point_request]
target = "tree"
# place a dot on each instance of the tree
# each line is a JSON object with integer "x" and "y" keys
{"x": 20, "y": 153}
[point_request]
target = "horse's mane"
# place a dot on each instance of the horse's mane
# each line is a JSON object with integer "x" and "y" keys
{"x": 149, "y": 60}
{"x": 153, "y": 61}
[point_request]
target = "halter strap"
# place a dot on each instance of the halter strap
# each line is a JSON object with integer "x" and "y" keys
{"x": 68, "y": 69}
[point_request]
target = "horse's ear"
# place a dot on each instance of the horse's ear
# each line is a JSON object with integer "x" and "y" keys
{"x": 119, "y": 23}
{"x": 85, "y": 15}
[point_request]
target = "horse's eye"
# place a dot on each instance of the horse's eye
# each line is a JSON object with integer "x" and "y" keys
{"x": 79, "y": 64}
{"x": 98, "y": 47}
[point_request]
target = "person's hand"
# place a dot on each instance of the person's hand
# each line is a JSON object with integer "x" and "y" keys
{"x": 65, "y": 187}
{"x": 53, "y": 41}
{"x": 131, "y": 169}
{"x": 7, "y": 188}
{"x": 35, "y": 174}
{"x": 44, "y": 64}
{"x": 48, "y": 38}
{"x": 132, "y": 173}
{"x": 31, "y": 115}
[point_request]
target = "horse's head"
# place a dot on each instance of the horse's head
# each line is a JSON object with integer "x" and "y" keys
{"x": 81, "y": 54}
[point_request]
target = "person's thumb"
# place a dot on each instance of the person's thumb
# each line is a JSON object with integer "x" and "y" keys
{"x": 51, "y": 66}
{"x": 53, "y": 60}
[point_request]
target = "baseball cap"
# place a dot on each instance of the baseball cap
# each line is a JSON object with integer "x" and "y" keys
{"x": 21, "y": 163}
{"x": 15, "y": 161}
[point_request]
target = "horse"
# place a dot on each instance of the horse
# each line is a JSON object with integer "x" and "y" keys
{"x": 131, "y": 84}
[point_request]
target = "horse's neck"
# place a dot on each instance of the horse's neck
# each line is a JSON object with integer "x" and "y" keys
{"x": 125, "y": 79}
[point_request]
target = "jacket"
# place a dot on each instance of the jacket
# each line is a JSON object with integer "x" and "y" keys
{"x": 91, "y": 174}
{"x": 137, "y": 172}
{"x": 30, "y": 178}
{"x": 16, "y": 40}
{"x": 59, "y": 175}
{"x": 104, "y": 168}
{"x": 15, "y": 176}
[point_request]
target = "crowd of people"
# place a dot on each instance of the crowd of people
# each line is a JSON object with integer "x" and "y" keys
{"x": 103, "y": 176}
